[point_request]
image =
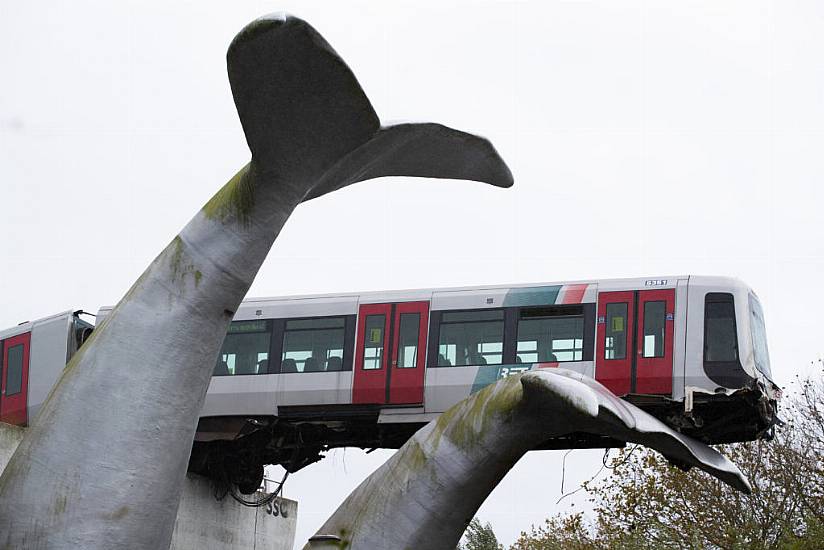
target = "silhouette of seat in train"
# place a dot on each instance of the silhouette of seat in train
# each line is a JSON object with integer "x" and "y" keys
{"x": 245, "y": 365}
{"x": 263, "y": 366}
{"x": 334, "y": 363}
{"x": 545, "y": 353}
{"x": 288, "y": 365}
{"x": 476, "y": 359}
{"x": 313, "y": 365}
{"x": 221, "y": 369}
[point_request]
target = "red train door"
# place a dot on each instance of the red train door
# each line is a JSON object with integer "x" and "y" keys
{"x": 390, "y": 353}
{"x": 369, "y": 383}
{"x": 656, "y": 321}
{"x": 406, "y": 375}
{"x": 613, "y": 350}
{"x": 14, "y": 382}
{"x": 635, "y": 341}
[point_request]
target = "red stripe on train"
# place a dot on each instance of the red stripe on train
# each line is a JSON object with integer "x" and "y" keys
{"x": 574, "y": 294}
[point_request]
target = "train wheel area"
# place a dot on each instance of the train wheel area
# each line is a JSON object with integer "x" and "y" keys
{"x": 304, "y": 436}
{"x": 292, "y": 443}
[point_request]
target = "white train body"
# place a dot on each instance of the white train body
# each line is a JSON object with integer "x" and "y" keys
{"x": 367, "y": 369}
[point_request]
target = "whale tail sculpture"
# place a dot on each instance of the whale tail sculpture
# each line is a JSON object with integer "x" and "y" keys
{"x": 424, "y": 496}
{"x": 306, "y": 117}
{"x": 103, "y": 464}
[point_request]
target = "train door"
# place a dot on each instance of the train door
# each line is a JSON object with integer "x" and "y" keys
{"x": 390, "y": 353}
{"x": 635, "y": 341}
{"x": 656, "y": 321}
{"x": 14, "y": 381}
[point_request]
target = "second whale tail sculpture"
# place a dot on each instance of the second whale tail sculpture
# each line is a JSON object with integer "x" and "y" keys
{"x": 104, "y": 462}
{"x": 424, "y": 496}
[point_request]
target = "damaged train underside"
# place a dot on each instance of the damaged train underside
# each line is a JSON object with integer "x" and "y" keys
{"x": 235, "y": 450}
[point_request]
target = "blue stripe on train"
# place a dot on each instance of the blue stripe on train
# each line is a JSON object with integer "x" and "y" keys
{"x": 532, "y": 296}
{"x": 516, "y": 297}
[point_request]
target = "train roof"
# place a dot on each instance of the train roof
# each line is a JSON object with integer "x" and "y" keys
{"x": 493, "y": 295}
{"x": 27, "y": 326}
{"x": 604, "y": 284}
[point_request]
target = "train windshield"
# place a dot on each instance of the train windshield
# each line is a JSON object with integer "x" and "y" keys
{"x": 759, "y": 337}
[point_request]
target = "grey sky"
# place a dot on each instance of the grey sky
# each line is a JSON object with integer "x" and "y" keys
{"x": 645, "y": 138}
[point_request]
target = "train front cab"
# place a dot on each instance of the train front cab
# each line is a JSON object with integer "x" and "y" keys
{"x": 729, "y": 394}
{"x": 691, "y": 351}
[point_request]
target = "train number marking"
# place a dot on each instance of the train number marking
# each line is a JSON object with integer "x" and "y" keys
{"x": 507, "y": 371}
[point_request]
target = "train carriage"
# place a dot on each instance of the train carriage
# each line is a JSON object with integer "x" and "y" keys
{"x": 413, "y": 354}
{"x": 299, "y": 375}
{"x": 32, "y": 356}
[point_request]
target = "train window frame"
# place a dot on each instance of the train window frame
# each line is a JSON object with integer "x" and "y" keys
{"x": 436, "y": 322}
{"x": 720, "y": 298}
{"x": 400, "y": 352}
{"x": 659, "y": 350}
{"x": 560, "y": 311}
{"x": 727, "y": 373}
{"x": 758, "y": 333}
{"x": 610, "y": 332}
{"x": 381, "y": 340}
{"x": 268, "y": 323}
{"x": 19, "y": 379}
{"x": 348, "y": 341}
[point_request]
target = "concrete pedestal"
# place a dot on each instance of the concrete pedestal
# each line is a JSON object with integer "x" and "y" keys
{"x": 202, "y": 521}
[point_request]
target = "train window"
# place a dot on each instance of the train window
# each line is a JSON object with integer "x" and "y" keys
{"x": 550, "y": 335}
{"x": 654, "y": 328}
{"x": 245, "y": 349}
{"x": 14, "y": 371}
{"x": 720, "y": 337}
{"x": 408, "y": 340}
{"x": 615, "y": 344}
{"x": 313, "y": 345}
{"x": 373, "y": 336}
{"x": 471, "y": 338}
{"x": 759, "y": 337}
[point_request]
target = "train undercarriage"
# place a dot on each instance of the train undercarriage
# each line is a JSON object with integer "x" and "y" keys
{"x": 292, "y": 441}
{"x": 234, "y": 450}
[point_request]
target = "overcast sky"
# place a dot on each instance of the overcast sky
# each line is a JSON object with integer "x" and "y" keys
{"x": 646, "y": 139}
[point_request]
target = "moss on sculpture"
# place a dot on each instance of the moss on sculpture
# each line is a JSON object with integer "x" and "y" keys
{"x": 478, "y": 413}
{"x": 235, "y": 199}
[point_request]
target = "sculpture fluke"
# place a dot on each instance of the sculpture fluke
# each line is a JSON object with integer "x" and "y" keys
{"x": 103, "y": 464}
{"x": 424, "y": 496}
{"x": 591, "y": 408}
{"x": 299, "y": 101}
